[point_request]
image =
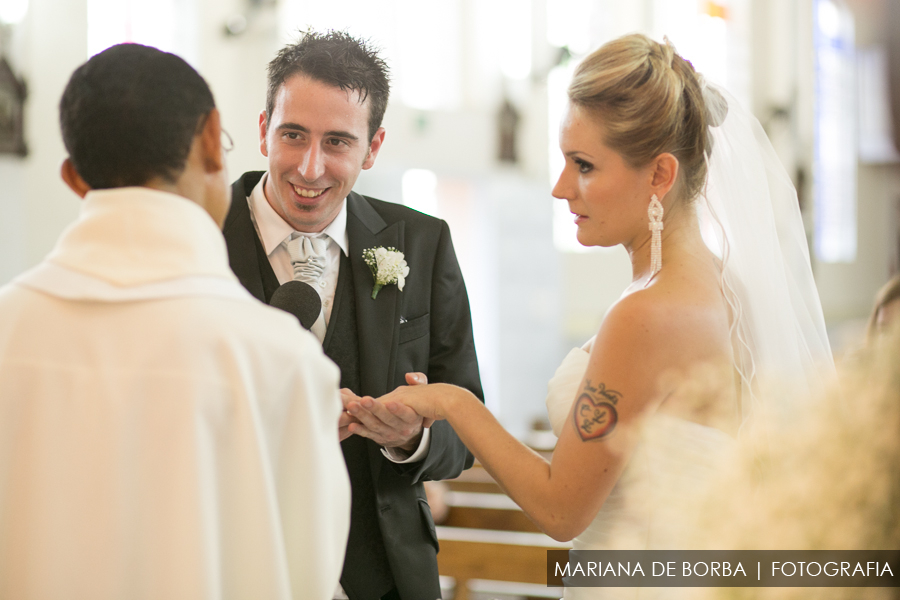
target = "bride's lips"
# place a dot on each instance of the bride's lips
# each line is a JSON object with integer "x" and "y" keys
{"x": 307, "y": 194}
{"x": 579, "y": 219}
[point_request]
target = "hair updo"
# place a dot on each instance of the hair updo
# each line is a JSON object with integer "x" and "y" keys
{"x": 651, "y": 101}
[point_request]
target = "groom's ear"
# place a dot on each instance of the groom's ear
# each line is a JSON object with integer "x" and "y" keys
{"x": 664, "y": 174}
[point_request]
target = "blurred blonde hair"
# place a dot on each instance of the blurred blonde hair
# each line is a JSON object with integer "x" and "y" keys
{"x": 651, "y": 102}
{"x": 887, "y": 294}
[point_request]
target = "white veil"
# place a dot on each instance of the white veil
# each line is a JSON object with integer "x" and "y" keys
{"x": 751, "y": 212}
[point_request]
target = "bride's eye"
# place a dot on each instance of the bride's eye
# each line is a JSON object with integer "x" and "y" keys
{"x": 583, "y": 166}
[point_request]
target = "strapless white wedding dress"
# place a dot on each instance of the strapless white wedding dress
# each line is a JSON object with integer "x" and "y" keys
{"x": 674, "y": 460}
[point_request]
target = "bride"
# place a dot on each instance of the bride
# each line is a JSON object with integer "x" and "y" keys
{"x": 641, "y": 132}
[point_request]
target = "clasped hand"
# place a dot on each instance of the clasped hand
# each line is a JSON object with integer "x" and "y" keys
{"x": 387, "y": 423}
{"x": 395, "y": 420}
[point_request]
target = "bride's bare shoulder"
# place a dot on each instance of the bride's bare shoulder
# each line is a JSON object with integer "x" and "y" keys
{"x": 684, "y": 315}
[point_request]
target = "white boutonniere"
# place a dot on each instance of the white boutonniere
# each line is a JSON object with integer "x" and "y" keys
{"x": 388, "y": 266}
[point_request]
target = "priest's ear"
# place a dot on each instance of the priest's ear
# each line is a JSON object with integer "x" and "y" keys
{"x": 70, "y": 175}
{"x": 212, "y": 151}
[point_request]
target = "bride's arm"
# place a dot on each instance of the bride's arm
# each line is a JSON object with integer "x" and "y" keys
{"x": 563, "y": 496}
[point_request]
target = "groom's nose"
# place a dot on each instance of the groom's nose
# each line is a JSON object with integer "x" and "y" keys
{"x": 312, "y": 163}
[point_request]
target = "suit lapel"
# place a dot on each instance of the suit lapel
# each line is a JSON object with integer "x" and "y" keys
{"x": 376, "y": 319}
{"x": 337, "y": 306}
{"x": 246, "y": 255}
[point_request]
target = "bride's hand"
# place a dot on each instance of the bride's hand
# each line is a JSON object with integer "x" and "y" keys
{"x": 419, "y": 379}
{"x": 416, "y": 379}
{"x": 427, "y": 400}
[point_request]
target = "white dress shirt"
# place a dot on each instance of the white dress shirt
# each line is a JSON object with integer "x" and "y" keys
{"x": 274, "y": 233}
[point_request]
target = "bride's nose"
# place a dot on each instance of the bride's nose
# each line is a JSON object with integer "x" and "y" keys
{"x": 564, "y": 188}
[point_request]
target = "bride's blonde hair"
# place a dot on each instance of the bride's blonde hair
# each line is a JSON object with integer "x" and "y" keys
{"x": 651, "y": 101}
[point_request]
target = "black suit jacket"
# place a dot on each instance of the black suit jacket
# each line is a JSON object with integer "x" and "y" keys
{"x": 427, "y": 327}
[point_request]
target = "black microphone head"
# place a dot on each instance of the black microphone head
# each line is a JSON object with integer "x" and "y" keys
{"x": 299, "y": 299}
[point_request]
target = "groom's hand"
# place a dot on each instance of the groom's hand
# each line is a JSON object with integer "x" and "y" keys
{"x": 391, "y": 425}
{"x": 346, "y": 418}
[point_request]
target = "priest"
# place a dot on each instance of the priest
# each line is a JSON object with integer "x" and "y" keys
{"x": 163, "y": 434}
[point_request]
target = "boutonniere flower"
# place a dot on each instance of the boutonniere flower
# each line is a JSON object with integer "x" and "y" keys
{"x": 388, "y": 266}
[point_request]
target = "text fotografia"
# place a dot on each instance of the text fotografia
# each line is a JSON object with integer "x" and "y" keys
{"x": 723, "y": 568}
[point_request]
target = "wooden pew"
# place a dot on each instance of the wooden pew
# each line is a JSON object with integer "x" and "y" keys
{"x": 486, "y": 554}
{"x": 481, "y": 510}
{"x": 488, "y": 544}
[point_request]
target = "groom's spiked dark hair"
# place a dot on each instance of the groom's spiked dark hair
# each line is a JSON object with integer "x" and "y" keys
{"x": 335, "y": 58}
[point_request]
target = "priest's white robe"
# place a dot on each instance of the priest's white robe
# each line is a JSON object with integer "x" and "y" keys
{"x": 163, "y": 435}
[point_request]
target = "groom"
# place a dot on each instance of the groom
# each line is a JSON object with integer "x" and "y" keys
{"x": 326, "y": 98}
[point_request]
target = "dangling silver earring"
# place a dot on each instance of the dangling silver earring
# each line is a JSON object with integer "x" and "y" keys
{"x": 655, "y": 212}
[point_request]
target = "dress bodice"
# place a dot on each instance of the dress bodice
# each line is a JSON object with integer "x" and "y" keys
{"x": 674, "y": 460}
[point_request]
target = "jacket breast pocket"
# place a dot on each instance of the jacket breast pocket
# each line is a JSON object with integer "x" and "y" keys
{"x": 415, "y": 328}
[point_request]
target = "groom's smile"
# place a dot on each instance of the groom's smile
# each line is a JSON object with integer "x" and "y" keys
{"x": 308, "y": 193}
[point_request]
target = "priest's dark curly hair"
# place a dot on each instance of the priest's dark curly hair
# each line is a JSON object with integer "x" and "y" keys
{"x": 129, "y": 115}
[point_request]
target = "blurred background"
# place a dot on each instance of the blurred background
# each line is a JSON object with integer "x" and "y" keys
{"x": 478, "y": 90}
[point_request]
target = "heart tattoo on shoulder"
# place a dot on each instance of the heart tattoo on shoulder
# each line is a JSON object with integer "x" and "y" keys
{"x": 595, "y": 412}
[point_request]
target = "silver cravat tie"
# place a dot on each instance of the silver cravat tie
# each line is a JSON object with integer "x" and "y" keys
{"x": 307, "y": 258}
{"x": 308, "y": 261}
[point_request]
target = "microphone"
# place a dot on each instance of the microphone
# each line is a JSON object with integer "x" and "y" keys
{"x": 299, "y": 299}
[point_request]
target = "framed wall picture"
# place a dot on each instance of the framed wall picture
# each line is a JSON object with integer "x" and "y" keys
{"x": 12, "y": 103}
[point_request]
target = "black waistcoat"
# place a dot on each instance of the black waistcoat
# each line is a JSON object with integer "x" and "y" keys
{"x": 366, "y": 574}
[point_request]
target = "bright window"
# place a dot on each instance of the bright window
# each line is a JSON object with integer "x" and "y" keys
{"x": 420, "y": 191}
{"x": 163, "y": 24}
{"x": 13, "y": 11}
{"x": 834, "y": 167}
{"x": 420, "y": 41}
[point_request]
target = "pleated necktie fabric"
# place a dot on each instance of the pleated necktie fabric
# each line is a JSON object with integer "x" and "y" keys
{"x": 308, "y": 259}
